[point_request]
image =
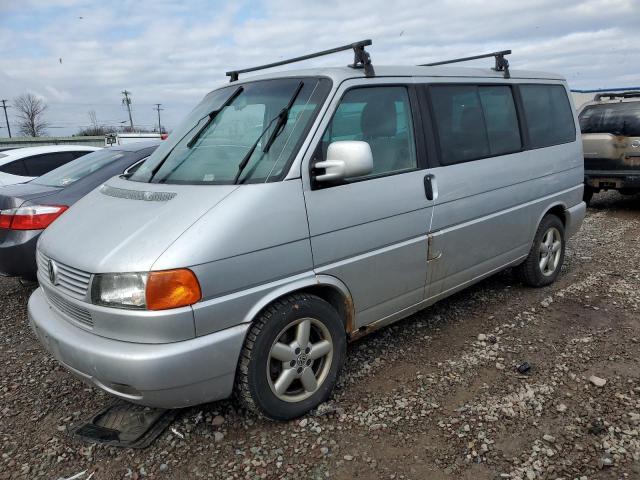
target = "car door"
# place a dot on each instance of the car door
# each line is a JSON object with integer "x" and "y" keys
{"x": 371, "y": 232}
{"x": 483, "y": 220}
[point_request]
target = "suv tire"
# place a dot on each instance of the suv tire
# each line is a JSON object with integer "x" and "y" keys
{"x": 587, "y": 195}
{"x": 291, "y": 357}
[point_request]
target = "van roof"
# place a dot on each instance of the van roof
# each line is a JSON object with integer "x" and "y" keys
{"x": 339, "y": 74}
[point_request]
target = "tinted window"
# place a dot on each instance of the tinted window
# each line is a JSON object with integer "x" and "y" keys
{"x": 41, "y": 164}
{"x": 462, "y": 133}
{"x": 14, "y": 168}
{"x": 503, "y": 129}
{"x": 80, "y": 168}
{"x": 616, "y": 118}
{"x": 548, "y": 113}
{"x": 80, "y": 153}
{"x": 380, "y": 116}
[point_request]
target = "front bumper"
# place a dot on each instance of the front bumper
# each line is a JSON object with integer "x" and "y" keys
{"x": 18, "y": 253}
{"x": 169, "y": 375}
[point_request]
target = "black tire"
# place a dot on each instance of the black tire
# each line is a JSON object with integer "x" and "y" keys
{"x": 587, "y": 194}
{"x": 629, "y": 191}
{"x": 530, "y": 271}
{"x": 255, "y": 389}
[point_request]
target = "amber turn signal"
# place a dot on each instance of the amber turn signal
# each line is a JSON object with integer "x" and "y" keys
{"x": 172, "y": 289}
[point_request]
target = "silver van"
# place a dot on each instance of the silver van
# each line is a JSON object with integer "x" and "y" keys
{"x": 295, "y": 211}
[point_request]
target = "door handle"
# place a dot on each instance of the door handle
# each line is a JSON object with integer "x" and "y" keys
{"x": 429, "y": 190}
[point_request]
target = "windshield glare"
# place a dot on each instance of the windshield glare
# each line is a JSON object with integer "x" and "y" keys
{"x": 616, "y": 118}
{"x": 209, "y": 146}
{"x": 78, "y": 169}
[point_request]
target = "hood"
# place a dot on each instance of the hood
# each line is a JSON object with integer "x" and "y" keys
{"x": 124, "y": 226}
{"x": 12, "y": 196}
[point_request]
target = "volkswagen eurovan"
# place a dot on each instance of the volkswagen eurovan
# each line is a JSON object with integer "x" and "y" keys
{"x": 294, "y": 211}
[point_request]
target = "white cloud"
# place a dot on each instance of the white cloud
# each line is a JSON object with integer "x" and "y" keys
{"x": 174, "y": 52}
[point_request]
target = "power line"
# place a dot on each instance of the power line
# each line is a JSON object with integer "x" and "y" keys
{"x": 127, "y": 101}
{"x": 6, "y": 117}
{"x": 159, "y": 109}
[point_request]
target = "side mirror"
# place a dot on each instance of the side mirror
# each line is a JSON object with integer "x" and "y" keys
{"x": 346, "y": 159}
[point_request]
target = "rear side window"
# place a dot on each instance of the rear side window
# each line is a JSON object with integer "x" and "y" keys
{"x": 380, "y": 116}
{"x": 41, "y": 164}
{"x": 548, "y": 113}
{"x": 14, "y": 168}
{"x": 474, "y": 122}
{"x": 501, "y": 119}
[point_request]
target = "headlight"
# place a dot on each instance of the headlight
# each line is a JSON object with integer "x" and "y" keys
{"x": 160, "y": 290}
{"x": 120, "y": 290}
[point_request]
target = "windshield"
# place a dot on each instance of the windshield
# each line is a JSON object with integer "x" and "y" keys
{"x": 211, "y": 143}
{"x": 616, "y": 118}
{"x": 79, "y": 168}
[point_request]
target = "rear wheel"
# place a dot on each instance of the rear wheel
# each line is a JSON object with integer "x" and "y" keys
{"x": 542, "y": 266}
{"x": 291, "y": 357}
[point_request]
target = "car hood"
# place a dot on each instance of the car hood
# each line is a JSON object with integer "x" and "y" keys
{"x": 124, "y": 226}
{"x": 12, "y": 196}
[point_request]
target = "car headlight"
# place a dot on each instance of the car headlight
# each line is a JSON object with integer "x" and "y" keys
{"x": 160, "y": 290}
{"x": 120, "y": 290}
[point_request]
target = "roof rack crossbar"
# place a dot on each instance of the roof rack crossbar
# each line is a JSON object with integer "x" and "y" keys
{"x": 612, "y": 95}
{"x": 361, "y": 59}
{"x": 502, "y": 64}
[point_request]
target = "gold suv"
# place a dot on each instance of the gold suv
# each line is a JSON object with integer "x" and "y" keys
{"x": 610, "y": 128}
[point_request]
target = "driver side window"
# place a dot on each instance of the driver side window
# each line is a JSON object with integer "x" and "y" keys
{"x": 380, "y": 116}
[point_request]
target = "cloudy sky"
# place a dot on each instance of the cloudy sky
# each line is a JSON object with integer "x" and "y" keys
{"x": 80, "y": 54}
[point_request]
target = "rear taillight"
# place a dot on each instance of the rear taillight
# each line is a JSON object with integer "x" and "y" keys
{"x": 34, "y": 217}
{"x": 164, "y": 136}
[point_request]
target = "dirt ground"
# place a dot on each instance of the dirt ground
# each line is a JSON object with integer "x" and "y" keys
{"x": 436, "y": 396}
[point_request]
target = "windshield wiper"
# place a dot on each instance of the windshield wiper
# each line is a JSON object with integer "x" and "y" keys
{"x": 213, "y": 115}
{"x": 194, "y": 139}
{"x": 282, "y": 118}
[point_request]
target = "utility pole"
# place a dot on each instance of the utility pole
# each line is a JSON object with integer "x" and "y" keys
{"x": 4, "y": 105}
{"x": 158, "y": 109}
{"x": 127, "y": 101}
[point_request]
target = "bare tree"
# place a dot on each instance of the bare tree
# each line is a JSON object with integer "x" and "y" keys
{"x": 94, "y": 128}
{"x": 30, "y": 112}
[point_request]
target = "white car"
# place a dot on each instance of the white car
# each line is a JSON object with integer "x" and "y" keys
{"x": 23, "y": 164}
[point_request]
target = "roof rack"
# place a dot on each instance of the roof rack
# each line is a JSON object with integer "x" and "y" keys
{"x": 612, "y": 95}
{"x": 502, "y": 64}
{"x": 361, "y": 59}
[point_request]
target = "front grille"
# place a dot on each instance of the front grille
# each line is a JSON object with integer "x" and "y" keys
{"x": 71, "y": 281}
{"x": 77, "y": 313}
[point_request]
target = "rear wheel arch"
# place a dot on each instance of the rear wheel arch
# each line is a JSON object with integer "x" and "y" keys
{"x": 558, "y": 210}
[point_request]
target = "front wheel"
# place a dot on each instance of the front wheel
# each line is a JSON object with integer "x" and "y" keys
{"x": 542, "y": 265}
{"x": 291, "y": 357}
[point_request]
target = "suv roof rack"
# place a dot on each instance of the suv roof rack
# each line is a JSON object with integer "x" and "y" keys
{"x": 502, "y": 64}
{"x": 612, "y": 95}
{"x": 361, "y": 59}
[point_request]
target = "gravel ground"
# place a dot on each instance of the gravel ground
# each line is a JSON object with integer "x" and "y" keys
{"x": 436, "y": 396}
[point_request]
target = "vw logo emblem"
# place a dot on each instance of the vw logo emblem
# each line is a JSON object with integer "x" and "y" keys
{"x": 635, "y": 143}
{"x": 53, "y": 272}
